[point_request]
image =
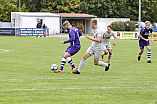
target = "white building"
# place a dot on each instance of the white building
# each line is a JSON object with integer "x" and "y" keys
{"x": 30, "y": 20}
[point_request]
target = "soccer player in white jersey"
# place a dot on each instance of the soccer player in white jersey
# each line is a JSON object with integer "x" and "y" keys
{"x": 95, "y": 48}
{"x": 106, "y": 43}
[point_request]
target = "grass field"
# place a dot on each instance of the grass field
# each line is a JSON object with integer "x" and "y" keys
{"x": 26, "y": 78}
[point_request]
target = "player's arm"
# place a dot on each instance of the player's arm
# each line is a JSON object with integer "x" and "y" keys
{"x": 114, "y": 43}
{"x": 140, "y": 36}
{"x": 80, "y": 34}
{"x": 72, "y": 34}
{"x": 103, "y": 35}
{"x": 96, "y": 40}
{"x": 152, "y": 37}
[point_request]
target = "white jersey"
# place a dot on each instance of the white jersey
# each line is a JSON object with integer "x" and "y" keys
{"x": 97, "y": 45}
{"x": 106, "y": 40}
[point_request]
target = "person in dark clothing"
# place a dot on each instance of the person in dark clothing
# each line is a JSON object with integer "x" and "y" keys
{"x": 38, "y": 25}
{"x": 44, "y": 26}
{"x": 127, "y": 28}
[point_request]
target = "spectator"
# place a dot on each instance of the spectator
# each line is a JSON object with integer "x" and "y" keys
{"x": 154, "y": 28}
{"x": 127, "y": 28}
{"x": 38, "y": 24}
{"x": 44, "y": 26}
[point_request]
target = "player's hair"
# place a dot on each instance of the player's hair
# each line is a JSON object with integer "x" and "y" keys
{"x": 66, "y": 23}
{"x": 94, "y": 21}
{"x": 109, "y": 26}
{"x": 147, "y": 22}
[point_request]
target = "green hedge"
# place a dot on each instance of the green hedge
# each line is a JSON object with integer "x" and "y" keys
{"x": 120, "y": 26}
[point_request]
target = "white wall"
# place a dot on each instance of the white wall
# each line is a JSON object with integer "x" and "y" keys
{"x": 18, "y": 21}
{"x": 89, "y": 29}
{"x": 29, "y": 20}
{"x": 53, "y": 24}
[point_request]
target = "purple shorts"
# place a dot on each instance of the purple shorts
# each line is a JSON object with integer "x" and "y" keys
{"x": 143, "y": 43}
{"x": 72, "y": 50}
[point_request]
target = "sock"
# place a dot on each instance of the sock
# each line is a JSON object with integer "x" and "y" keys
{"x": 69, "y": 60}
{"x": 62, "y": 63}
{"x": 103, "y": 53}
{"x": 109, "y": 57}
{"x": 149, "y": 55}
{"x": 101, "y": 63}
{"x": 140, "y": 53}
{"x": 83, "y": 61}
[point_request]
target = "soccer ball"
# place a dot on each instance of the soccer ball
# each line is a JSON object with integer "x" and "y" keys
{"x": 54, "y": 67}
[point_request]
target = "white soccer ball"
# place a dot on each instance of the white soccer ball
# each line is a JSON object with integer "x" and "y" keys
{"x": 54, "y": 67}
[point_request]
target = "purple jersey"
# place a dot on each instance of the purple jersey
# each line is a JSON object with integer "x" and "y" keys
{"x": 74, "y": 35}
{"x": 145, "y": 33}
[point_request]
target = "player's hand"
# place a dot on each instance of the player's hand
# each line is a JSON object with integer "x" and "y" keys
{"x": 62, "y": 42}
{"x": 146, "y": 40}
{"x": 152, "y": 40}
{"x": 88, "y": 37}
{"x": 114, "y": 43}
{"x": 103, "y": 35}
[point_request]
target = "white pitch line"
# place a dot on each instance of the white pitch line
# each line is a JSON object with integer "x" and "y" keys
{"x": 3, "y": 50}
{"x": 9, "y": 79}
{"x": 87, "y": 88}
{"x": 79, "y": 78}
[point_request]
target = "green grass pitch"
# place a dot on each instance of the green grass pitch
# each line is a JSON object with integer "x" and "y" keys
{"x": 26, "y": 78}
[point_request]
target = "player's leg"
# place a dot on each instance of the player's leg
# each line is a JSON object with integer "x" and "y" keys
{"x": 82, "y": 63}
{"x": 140, "y": 53}
{"x": 105, "y": 52}
{"x": 141, "y": 50}
{"x": 100, "y": 63}
{"x": 109, "y": 48}
{"x": 110, "y": 55}
{"x": 88, "y": 53}
{"x": 72, "y": 51}
{"x": 149, "y": 53}
{"x": 69, "y": 59}
{"x": 63, "y": 61}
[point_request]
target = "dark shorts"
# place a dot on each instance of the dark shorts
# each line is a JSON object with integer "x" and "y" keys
{"x": 143, "y": 43}
{"x": 72, "y": 50}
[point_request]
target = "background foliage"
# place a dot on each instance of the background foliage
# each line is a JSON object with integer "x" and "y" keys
{"x": 6, "y": 7}
{"x": 100, "y": 8}
{"x": 120, "y": 26}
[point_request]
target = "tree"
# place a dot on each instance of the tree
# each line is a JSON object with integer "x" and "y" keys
{"x": 31, "y": 5}
{"x": 148, "y": 12}
{"x": 6, "y": 7}
{"x": 61, "y": 6}
{"x": 100, "y": 8}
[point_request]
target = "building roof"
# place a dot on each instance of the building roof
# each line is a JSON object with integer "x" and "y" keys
{"x": 38, "y": 14}
{"x": 75, "y": 15}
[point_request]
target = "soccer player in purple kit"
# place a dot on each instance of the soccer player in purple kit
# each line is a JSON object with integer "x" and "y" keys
{"x": 74, "y": 47}
{"x": 144, "y": 41}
